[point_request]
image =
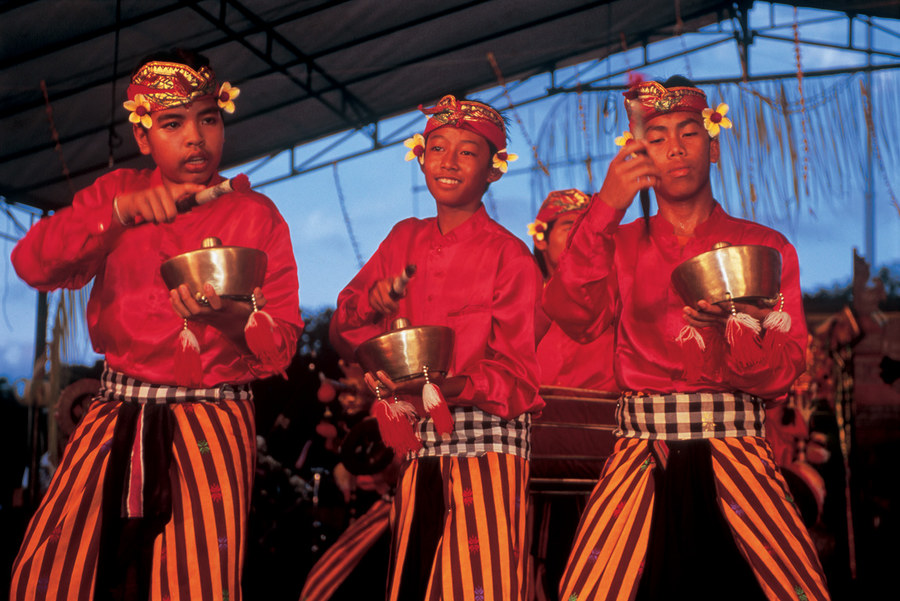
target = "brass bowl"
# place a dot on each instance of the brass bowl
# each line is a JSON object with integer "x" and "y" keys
{"x": 405, "y": 351}
{"x": 233, "y": 271}
{"x": 741, "y": 273}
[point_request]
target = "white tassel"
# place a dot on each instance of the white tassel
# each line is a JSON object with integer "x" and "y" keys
{"x": 778, "y": 321}
{"x": 689, "y": 333}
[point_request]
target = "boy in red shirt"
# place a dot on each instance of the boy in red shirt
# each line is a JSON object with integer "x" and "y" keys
{"x": 152, "y": 493}
{"x": 566, "y": 361}
{"x": 460, "y": 507}
{"x": 691, "y": 502}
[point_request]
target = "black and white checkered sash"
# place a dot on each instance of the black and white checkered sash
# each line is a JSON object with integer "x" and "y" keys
{"x": 476, "y": 432}
{"x": 690, "y": 416}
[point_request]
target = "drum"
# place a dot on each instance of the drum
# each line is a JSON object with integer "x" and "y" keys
{"x": 571, "y": 439}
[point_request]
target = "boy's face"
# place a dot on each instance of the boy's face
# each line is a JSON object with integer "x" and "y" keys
{"x": 682, "y": 150}
{"x": 185, "y": 142}
{"x": 458, "y": 167}
{"x": 555, "y": 243}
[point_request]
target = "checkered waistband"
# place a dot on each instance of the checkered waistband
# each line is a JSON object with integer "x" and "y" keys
{"x": 476, "y": 432}
{"x": 116, "y": 386}
{"x": 690, "y": 416}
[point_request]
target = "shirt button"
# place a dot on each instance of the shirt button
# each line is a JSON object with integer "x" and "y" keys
{"x": 438, "y": 250}
{"x": 100, "y": 227}
{"x": 430, "y": 297}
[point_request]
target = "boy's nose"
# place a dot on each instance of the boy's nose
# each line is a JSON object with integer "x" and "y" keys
{"x": 193, "y": 134}
{"x": 676, "y": 148}
{"x": 449, "y": 160}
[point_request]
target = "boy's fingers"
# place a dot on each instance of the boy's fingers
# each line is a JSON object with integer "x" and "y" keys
{"x": 260, "y": 297}
{"x": 386, "y": 380}
{"x": 211, "y": 297}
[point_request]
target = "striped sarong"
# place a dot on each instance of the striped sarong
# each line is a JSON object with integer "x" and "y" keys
{"x": 459, "y": 529}
{"x": 200, "y": 552}
{"x": 612, "y": 539}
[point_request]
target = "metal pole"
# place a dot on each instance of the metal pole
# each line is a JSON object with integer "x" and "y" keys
{"x": 40, "y": 347}
{"x": 870, "y": 163}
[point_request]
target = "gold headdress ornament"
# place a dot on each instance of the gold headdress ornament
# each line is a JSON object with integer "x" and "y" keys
{"x": 160, "y": 85}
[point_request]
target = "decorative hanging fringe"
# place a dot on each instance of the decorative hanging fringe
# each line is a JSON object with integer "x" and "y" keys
{"x": 262, "y": 337}
{"x": 188, "y": 367}
{"x": 742, "y": 333}
{"x": 512, "y": 107}
{"x": 692, "y": 347}
{"x": 436, "y": 406}
{"x": 777, "y": 325}
{"x": 395, "y": 423}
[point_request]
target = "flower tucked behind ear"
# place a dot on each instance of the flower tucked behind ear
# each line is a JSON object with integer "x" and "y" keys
{"x": 226, "y": 96}
{"x": 501, "y": 158}
{"x": 537, "y": 229}
{"x": 714, "y": 119}
{"x": 416, "y": 146}
{"x": 623, "y": 139}
{"x": 140, "y": 111}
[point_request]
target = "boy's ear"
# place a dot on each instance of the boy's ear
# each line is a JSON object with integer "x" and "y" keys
{"x": 494, "y": 175}
{"x": 541, "y": 245}
{"x": 714, "y": 150}
{"x": 140, "y": 136}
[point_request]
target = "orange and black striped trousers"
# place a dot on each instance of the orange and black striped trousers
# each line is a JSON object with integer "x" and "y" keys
{"x": 607, "y": 558}
{"x": 459, "y": 529}
{"x": 199, "y": 554}
{"x": 337, "y": 564}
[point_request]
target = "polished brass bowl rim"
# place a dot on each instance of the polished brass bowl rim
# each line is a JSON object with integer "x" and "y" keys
{"x": 745, "y": 272}
{"x": 375, "y": 352}
{"x": 234, "y": 271}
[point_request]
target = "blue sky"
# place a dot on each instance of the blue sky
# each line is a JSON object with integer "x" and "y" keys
{"x": 379, "y": 189}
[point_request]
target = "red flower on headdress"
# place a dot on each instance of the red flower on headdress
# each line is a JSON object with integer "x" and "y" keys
{"x": 635, "y": 78}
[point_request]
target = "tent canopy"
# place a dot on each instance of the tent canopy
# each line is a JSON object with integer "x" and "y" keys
{"x": 306, "y": 69}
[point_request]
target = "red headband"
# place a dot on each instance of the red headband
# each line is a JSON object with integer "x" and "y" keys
{"x": 557, "y": 203}
{"x": 562, "y": 201}
{"x": 469, "y": 115}
{"x": 652, "y": 99}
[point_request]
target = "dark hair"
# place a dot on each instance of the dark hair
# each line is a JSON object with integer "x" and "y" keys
{"x": 185, "y": 56}
{"x": 679, "y": 81}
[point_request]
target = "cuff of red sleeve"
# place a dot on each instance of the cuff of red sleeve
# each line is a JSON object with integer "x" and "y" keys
{"x": 100, "y": 220}
{"x": 475, "y": 388}
{"x": 603, "y": 218}
{"x": 364, "y": 310}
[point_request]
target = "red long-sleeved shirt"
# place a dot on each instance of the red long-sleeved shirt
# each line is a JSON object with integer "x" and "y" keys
{"x": 613, "y": 273}
{"x": 567, "y": 362}
{"x": 479, "y": 280}
{"x": 130, "y": 318}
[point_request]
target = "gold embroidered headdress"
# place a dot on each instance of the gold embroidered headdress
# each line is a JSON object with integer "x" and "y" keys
{"x": 160, "y": 85}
